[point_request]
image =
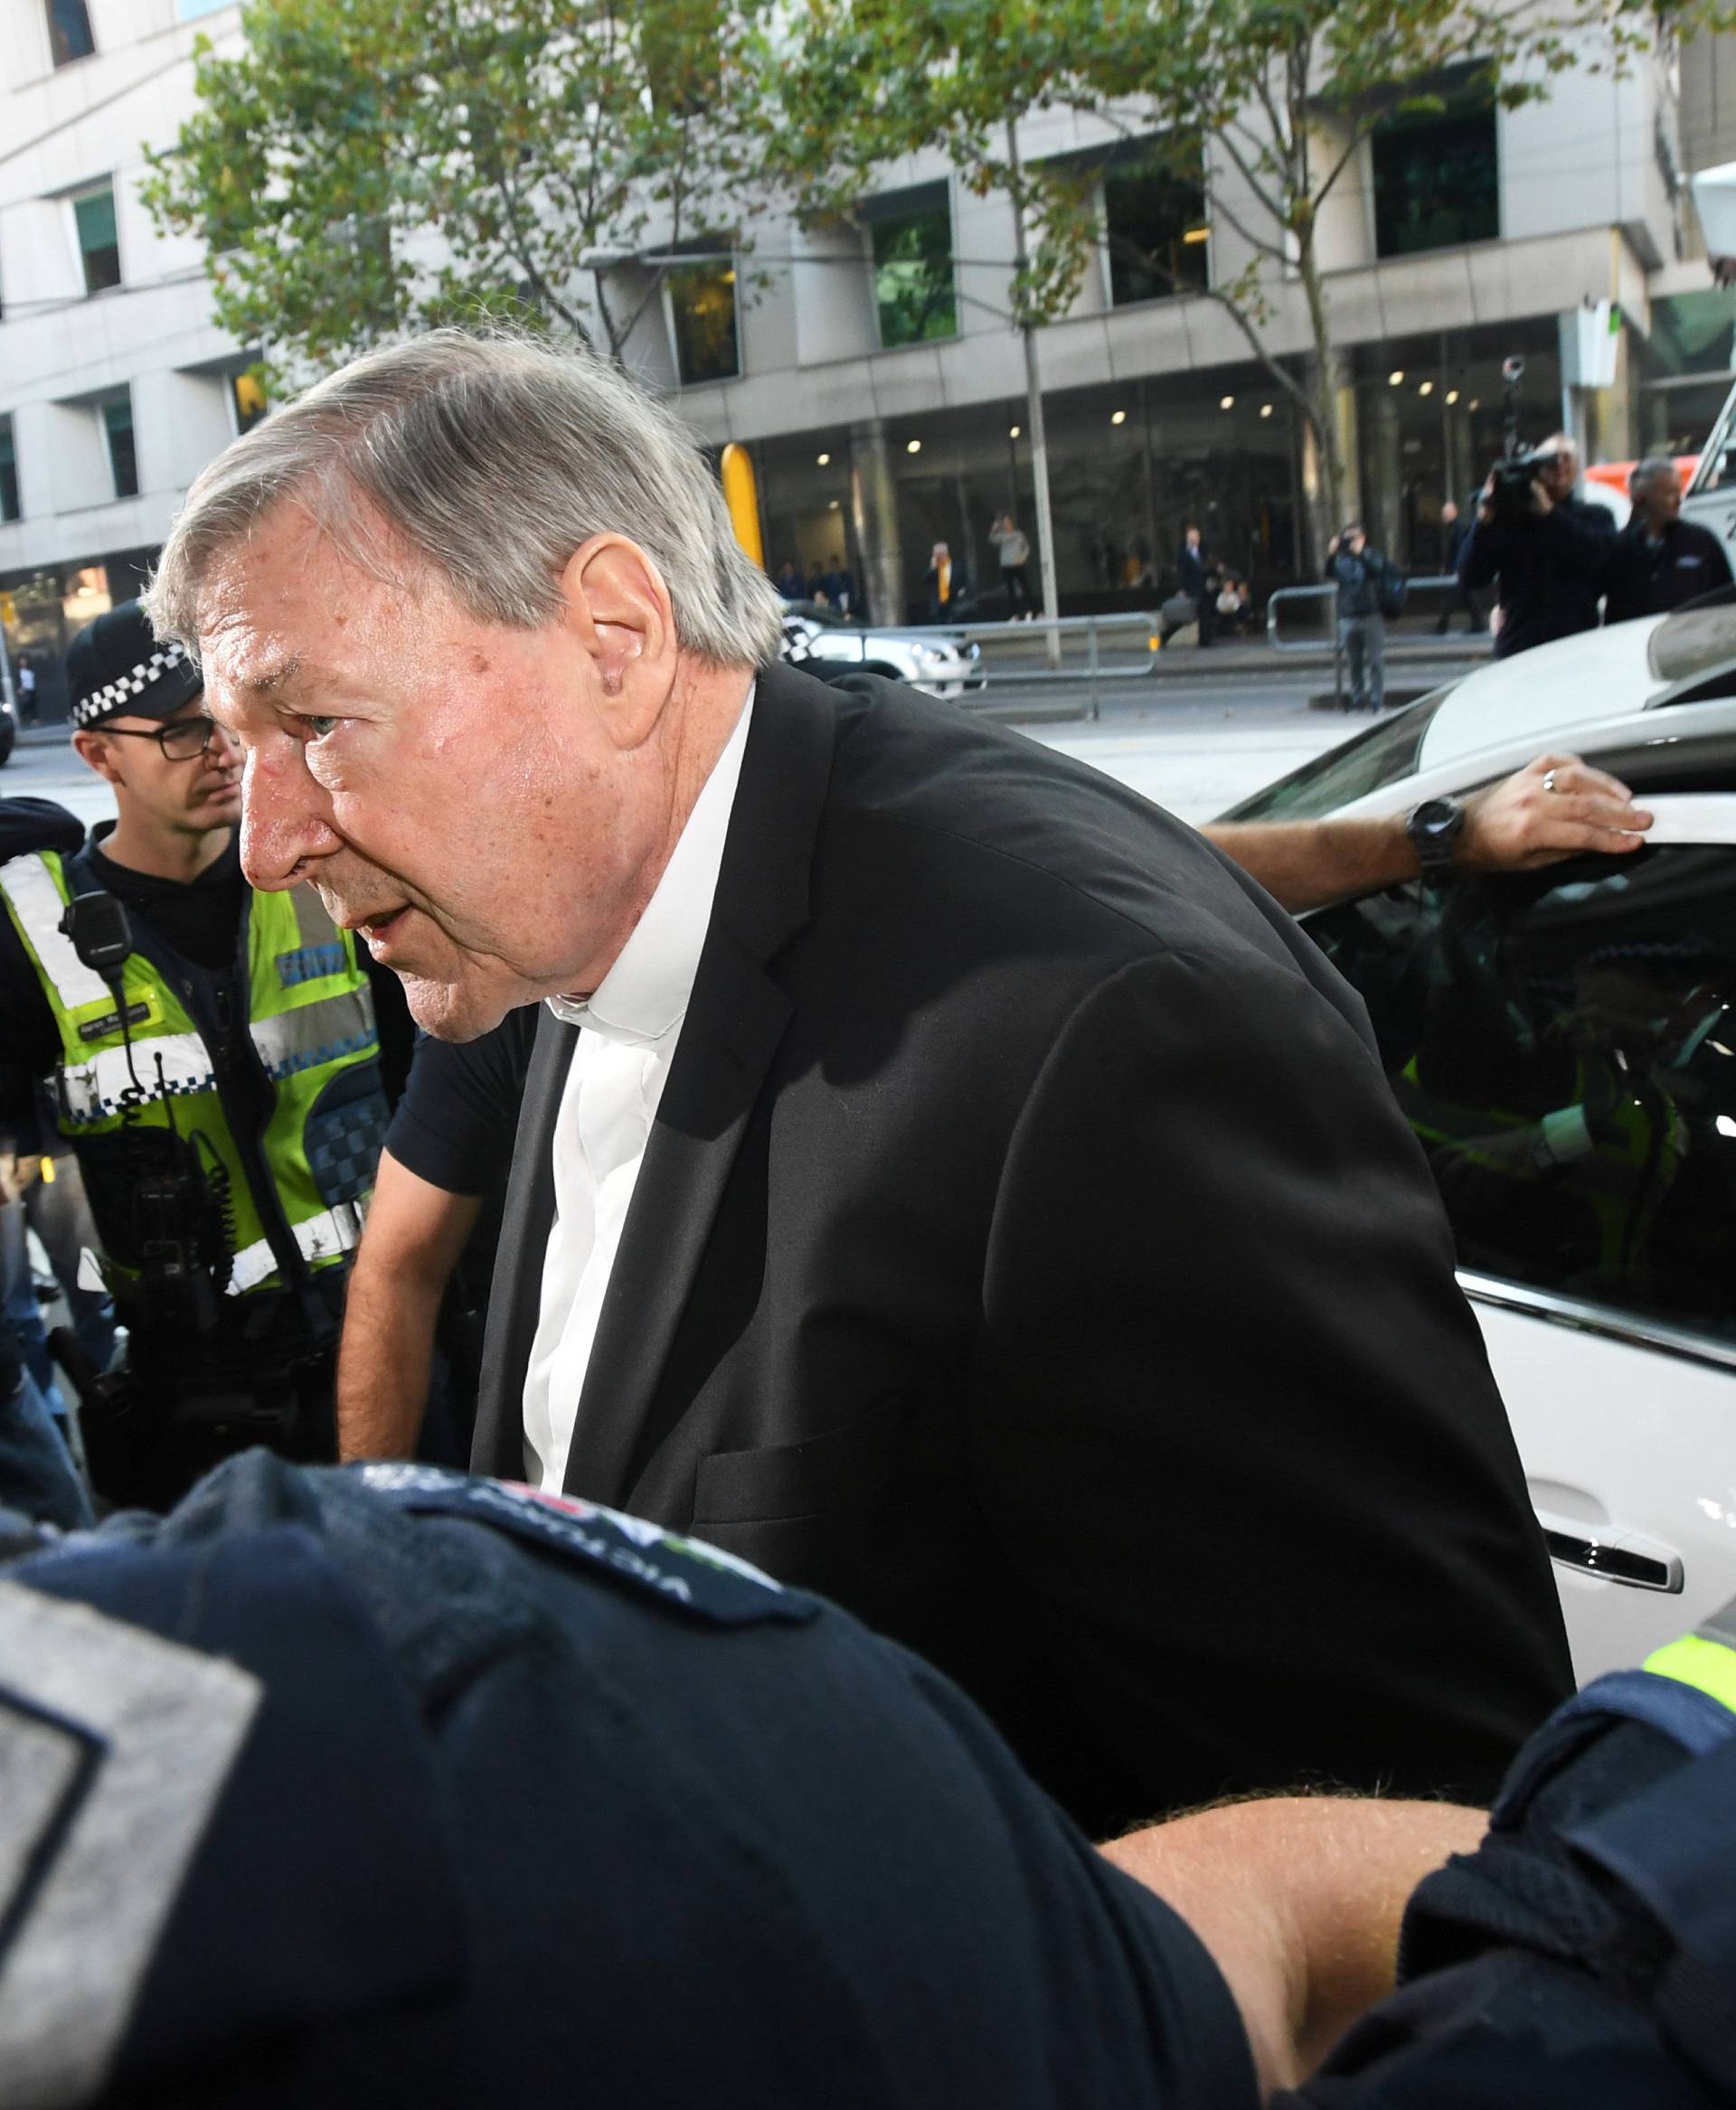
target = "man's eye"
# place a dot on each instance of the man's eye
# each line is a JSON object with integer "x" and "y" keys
{"x": 317, "y": 727}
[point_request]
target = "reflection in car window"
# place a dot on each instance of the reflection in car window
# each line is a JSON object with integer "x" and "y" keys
{"x": 1564, "y": 1048}
{"x": 1387, "y": 751}
{"x": 1696, "y": 639}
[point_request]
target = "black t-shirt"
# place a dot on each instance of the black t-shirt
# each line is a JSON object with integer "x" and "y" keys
{"x": 455, "y": 1124}
{"x": 1651, "y": 577}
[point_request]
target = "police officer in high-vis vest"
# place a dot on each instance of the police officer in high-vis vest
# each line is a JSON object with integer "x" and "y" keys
{"x": 213, "y": 1060}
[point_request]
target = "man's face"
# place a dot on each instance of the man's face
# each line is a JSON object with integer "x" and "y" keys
{"x": 192, "y": 797}
{"x": 456, "y": 790}
{"x": 1192, "y": 538}
{"x": 1561, "y": 473}
{"x": 1660, "y": 501}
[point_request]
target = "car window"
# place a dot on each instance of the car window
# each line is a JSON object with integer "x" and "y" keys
{"x": 1564, "y": 1046}
{"x": 1386, "y": 752}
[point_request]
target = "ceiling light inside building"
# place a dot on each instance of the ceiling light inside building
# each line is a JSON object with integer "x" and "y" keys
{"x": 1118, "y": 417}
{"x": 1197, "y": 234}
{"x": 1452, "y": 395}
{"x": 912, "y": 446}
{"x": 822, "y": 459}
{"x": 1013, "y": 431}
{"x": 1476, "y": 405}
{"x": 1226, "y": 402}
{"x": 834, "y": 507}
{"x": 1265, "y": 410}
{"x": 1396, "y": 376}
{"x": 1425, "y": 388}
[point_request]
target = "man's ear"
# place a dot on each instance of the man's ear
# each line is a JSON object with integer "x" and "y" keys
{"x": 97, "y": 753}
{"x": 618, "y": 611}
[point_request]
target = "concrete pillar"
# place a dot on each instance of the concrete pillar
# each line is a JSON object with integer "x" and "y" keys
{"x": 873, "y": 516}
{"x": 1382, "y": 508}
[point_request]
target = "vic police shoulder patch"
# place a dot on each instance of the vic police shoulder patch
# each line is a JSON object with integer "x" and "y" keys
{"x": 684, "y": 1574}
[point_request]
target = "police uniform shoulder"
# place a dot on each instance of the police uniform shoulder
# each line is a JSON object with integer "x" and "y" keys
{"x": 31, "y": 824}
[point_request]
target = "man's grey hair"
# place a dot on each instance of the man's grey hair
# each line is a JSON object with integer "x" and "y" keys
{"x": 490, "y": 460}
{"x": 1645, "y": 473}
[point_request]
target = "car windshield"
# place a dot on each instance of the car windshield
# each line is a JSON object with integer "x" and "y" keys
{"x": 1695, "y": 640}
{"x": 1387, "y": 751}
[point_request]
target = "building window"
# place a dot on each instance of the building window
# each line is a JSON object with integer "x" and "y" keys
{"x": 1435, "y": 178}
{"x": 9, "y": 507}
{"x": 911, "y": 235}
{"x": 701, "y": 313}
{"x": 99, "y": 243}
{"x": 191, "y": 10}
{"x": 68, "y": 31}
{"x": 247, "y": 396}
{"x": 1155, "y": 222}
{"x": 123, "y": 456}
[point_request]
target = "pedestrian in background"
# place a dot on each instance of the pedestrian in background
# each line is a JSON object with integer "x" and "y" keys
{"x": 1192, "y": 568}
{"x": 1661, "y": 559}
{"x": 1013, "y": 551}
{"x": 1455, "y": 533}
{"x": 1361, "y": 575}
{"x": 949, "y": 585}
{"x": 789, "y": 581}
{"x": 26, "y": 692}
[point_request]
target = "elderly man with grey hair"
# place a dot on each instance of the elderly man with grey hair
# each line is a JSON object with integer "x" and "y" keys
{"x": 1661, "y": 559}
{"x": 941, "y": 1178}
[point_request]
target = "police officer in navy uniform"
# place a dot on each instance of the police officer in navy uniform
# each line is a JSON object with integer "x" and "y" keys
{"x": 215, "y": 1066}
{"x": 387, "y": 1785}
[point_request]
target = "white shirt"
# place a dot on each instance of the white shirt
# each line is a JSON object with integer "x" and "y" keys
{"x": 632, "y": 1022}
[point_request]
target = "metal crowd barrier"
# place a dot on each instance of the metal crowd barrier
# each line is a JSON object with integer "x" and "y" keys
{"x": 1084, "y": 650}
{"x": 1439, "y": 590}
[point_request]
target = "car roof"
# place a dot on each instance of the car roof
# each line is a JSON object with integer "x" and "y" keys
{"x": 1536, "y": 695}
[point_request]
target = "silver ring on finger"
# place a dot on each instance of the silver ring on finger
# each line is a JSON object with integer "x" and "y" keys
{"x": 1548, "y": 780}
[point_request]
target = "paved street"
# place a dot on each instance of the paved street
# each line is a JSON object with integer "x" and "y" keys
{"x": 1195, "y": 744}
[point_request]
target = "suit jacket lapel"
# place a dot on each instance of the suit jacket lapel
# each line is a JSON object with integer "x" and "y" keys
{"x": 498, "y": 1446}
{"x": 734, "y": 1022}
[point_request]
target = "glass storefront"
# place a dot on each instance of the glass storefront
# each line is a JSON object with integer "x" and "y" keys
{"x": 43, "y": 609}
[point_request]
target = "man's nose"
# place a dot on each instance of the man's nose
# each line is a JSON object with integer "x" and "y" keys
{"x": 285, "y": 823}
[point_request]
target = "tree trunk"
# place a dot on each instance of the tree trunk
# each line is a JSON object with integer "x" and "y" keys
{"x": 1045, "y": 525}
{"x": 1324, "y": 420}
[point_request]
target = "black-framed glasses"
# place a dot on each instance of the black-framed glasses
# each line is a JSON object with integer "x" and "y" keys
{"x": 182, "y": 740}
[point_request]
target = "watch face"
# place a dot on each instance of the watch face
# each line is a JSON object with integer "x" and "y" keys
{"x": 1436, "y": 816}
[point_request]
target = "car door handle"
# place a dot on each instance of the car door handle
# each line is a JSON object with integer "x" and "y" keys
{"x": 1622, "y": 1557}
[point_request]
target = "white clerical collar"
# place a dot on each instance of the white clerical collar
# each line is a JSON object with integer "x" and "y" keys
{"x": 646, "y": 993}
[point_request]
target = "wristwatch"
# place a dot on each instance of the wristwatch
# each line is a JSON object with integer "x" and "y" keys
{"x": 1434, "y": 828}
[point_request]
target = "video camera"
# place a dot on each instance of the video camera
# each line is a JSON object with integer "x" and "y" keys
{"x": 1517, "y": 471}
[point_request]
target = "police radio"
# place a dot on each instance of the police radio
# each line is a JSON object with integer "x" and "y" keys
{"x": 182, "y": 1226}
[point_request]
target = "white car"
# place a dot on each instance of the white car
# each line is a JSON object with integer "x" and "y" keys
{"x": 1564, "y": 1043}
{"x": 822, "y": 640}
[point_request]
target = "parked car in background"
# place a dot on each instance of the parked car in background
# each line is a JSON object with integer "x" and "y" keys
{"x": 1564, "y": 1043}
{"x": 825, "y": 642}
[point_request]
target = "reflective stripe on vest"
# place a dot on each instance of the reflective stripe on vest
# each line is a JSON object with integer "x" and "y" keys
{"x": 320, "y": 1238}
{"x": 96, "y": 1090}
{"x": 316, "y": 1032}
{"x": 40, "y": 908}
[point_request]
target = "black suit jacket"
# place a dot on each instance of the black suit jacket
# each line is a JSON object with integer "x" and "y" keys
{"x": 1029, "y": 1253}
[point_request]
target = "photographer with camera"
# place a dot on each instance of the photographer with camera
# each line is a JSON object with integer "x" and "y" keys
{"x": 1369, "y": 587}
{"x": 215, "y": 1067}
{"x": 1550, "y": 551}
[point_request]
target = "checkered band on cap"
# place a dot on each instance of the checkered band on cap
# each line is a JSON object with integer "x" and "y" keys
{"x": 123, "y": 692}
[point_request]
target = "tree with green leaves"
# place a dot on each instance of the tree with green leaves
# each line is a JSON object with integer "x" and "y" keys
{"x": 861, "y": 83}
{"x": 362, "y": 167}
